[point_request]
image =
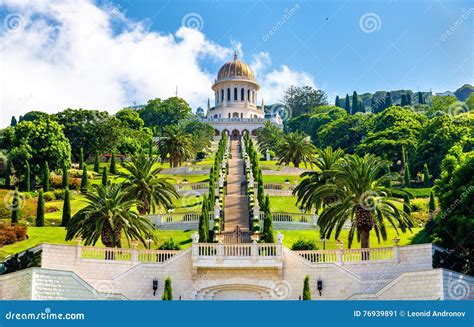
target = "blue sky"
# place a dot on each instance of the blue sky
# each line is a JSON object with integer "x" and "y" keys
{"x": 108, "y": 54}
{"x": 324, "y": 38}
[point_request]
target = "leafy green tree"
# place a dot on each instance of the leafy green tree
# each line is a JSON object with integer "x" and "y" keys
{"x": 167, "y": 292}
{"x": 347, "y": 104}
{"x": 296, "y": 148}
{"x": 129, "y": 146}
{"x": 38, "y": 142}
{"x": 65, "y": 179}
{"x": 302, "y": 99}
{"x": 40, "y": 210}
{"x": 46, "y": 174}
{"x": 15, "y": 207}
{"x": 201, "y": 134}
{"x": 307, "y": 190}
{"x": 113, "y": 168}
{"x": 436, "y": 138}
{"x": 267, "y": 235}
{"x": 66, "y": 217}
{"x": 426, "y": 176}
{"x": 142, "y": 182}
{"x": 104, "y": 176}
{"x": 81, "y": 158}
{"x": 162, "y": 113}
{"x": 358, "y": 192}
{"x": 26, "y": 178}
{"x": 470, "y": 102}
{"x": 150, "y": 148}
{"x": 306, "y": 289}
{"x": 96, "y": 162}
{"x": 13, "y": 122}
{"x": 130, "y": 118}
{"x": 109, "y": 215}
{"x": 176, "y": 145}
{"x": 35, "y": 115}
{"x": 84, "y": 179}
{"x": 355, "y": 103}
{"x": 442, "y": 103}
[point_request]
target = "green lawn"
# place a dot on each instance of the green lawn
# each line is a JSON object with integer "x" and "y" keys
{"x": 283, "y": 204}
{"x": 56, "y": 235}
{"x": 281, "y": 178}
{"x": 292, "y": 236}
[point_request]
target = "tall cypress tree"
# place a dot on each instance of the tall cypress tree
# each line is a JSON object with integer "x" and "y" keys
{"x": 168, "y": 291}
{"x": 84, "y": 180}
{"x": 388, "y": 100}
{"x": 337, "y": 104}
{"x": 40, "y": 210}
{"x": 420, "y": 98}
{"x": 347, "y": 104}
{"x": 203, "y": 228}
{"x": 355, "y": 103}
{"x": 306, "y": 289}
{"x": 403, "y": 101}
{"x": 104, "y": 176}
{"x": 408, "y": 99}
{"x": 81, "y": 158}
{"x": 66, "y": 208}
{"x": 406, "y": 168}
{"x": 426, "y": 176}
{"x": 96, "y": 162}
{"x": 432, "y": 203}
{"x": 65, "y": 181}
{"x": 13, "y": 122}
{"x": 26, "y": 177}
{"x": 20, "y": 119}
{"x": 8, "y": 173}
{"x": 267, "y": 235}
{"x": 113, "y": 168}
{"x": 45, "y": 181}
{"x": 15, "y": 207}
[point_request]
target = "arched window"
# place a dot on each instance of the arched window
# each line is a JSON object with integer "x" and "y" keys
{"x": 241, "y": 115}
{"x": 229, "y": 114}
{"x": 222, "y": 95}
{"x": 248, "y": 95}
{"x": 235, "y": 94}
{"x": 235, "y": 115}
{"x": 228, "y": 94}
{"x": 242, "y": 95}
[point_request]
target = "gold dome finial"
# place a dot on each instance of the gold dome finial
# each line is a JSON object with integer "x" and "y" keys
{"x": 235, "y": 55}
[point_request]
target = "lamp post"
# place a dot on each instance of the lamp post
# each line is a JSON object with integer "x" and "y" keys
{"x": 322, "y": 239}
{"x": 148, "y": 242}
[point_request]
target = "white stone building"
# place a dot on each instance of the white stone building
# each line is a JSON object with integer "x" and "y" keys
{"x": 235, "y": 101}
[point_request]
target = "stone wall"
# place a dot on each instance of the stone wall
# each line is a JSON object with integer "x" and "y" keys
{"x": 16, "y": 286}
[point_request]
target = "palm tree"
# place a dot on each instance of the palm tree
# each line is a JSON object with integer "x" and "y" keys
{"x": 360, "y": 194}
{"x": 142, "y": 182}
{"x": 175, "y": 144}
{"x": 296, "y": 148}
{"x": 312, "y": 180}
{"x": 109, "y": 214}
{"x": 269, "y": 137}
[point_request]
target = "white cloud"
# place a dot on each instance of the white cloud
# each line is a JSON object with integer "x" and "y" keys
{"x": 68, "y": 55}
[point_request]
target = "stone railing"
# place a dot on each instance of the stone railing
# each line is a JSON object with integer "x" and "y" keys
{"x": 184, "y": 220}
{"x": 240, "y": 255}
{"x": 341, "y": 256}
{"x": 116, "y": 254}
{"x": 292, "y": 217}
{"x": 282, "y": 189}
{"x": 183, "y": 187}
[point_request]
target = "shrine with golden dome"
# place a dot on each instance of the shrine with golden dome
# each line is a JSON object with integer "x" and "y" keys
{"x": 235, "y": 108}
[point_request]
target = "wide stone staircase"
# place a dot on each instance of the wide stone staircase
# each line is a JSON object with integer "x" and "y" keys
{"x": 236, "y": 221}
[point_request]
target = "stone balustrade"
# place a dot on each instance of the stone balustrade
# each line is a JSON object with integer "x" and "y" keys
{"x": 341, "y": 256}
{"x": 179, "y": 220}
{"x": 200, "y": 187}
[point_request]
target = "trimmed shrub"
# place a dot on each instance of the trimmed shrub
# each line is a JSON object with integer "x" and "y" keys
{"x": 169, "y": 245}
{"x": 49, "y": 196}
{"x": 168, "y": 291}
{"x": 303, "y": 245}
{"x": 11, "y": 233}
{"x": 306, "y": 289}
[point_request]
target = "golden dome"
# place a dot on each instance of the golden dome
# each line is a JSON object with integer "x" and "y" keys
{"x": 235, "y": 69}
